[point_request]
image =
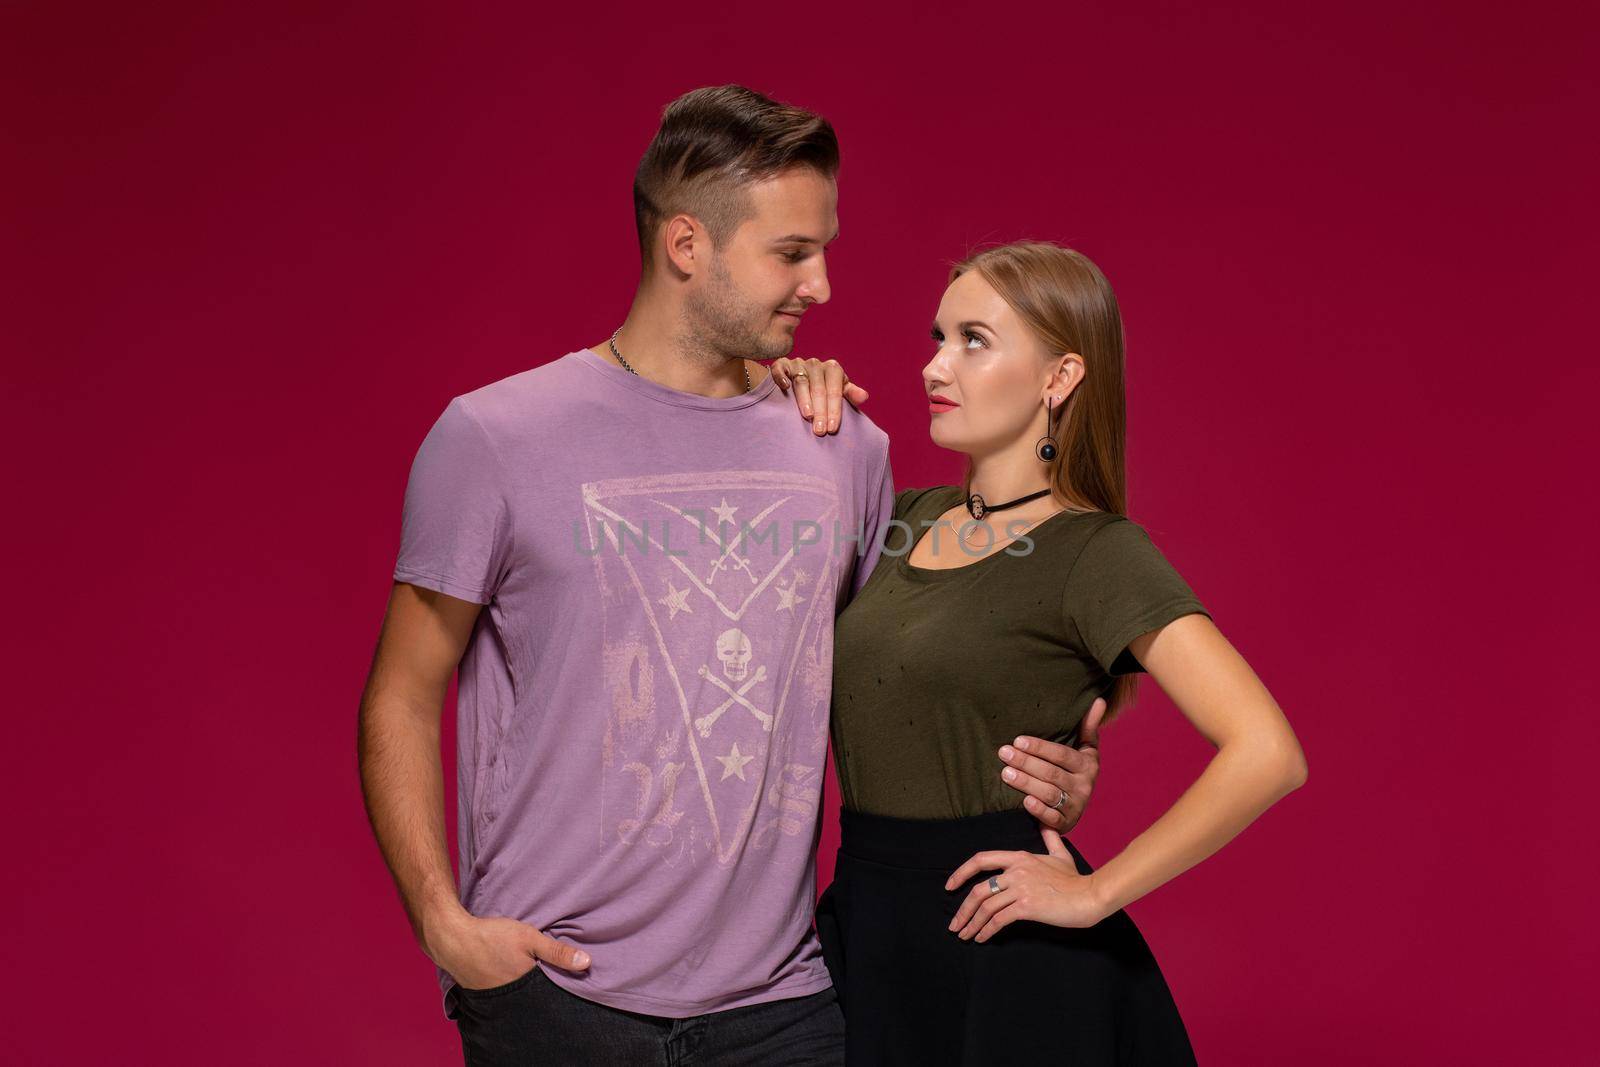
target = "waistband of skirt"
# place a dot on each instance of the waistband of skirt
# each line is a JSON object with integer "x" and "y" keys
{"x": 936, "y": 842}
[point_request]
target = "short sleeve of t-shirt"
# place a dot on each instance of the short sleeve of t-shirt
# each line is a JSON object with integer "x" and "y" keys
{"x": 456, "y": 525}
{"x": 874, "y": 526}
{"x": 1121, "y": 586}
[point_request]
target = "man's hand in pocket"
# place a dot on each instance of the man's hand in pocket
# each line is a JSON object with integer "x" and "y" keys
{"x": 491, "y": 951}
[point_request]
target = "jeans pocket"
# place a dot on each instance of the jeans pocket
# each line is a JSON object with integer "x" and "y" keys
{"x": 502, "y": 1025}
{"x": 500, "y": 990}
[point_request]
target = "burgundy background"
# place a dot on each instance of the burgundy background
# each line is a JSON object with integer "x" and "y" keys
{"x": 252, "y": 251}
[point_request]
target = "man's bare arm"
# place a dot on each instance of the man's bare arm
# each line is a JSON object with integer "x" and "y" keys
{"x": 397, "y": 742}
{"x": 402, "y": 781}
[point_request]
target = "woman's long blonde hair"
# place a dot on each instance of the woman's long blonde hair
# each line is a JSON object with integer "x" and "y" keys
{"x": 1066, "y": 301}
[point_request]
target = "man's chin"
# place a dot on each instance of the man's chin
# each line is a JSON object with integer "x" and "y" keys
{"x": 775, "y": 347}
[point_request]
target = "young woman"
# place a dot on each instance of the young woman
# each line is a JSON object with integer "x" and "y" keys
{"x": 957, "y": 930}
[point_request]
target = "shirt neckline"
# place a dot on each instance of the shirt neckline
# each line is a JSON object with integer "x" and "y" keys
{"x": 668, "y": 395}
{"x": 940, "y": 574}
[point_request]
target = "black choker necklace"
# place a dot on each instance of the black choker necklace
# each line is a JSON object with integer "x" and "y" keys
{"x": 978, "y": 509}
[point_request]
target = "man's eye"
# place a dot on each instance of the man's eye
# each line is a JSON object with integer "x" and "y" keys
{"x": 793, "y": 257}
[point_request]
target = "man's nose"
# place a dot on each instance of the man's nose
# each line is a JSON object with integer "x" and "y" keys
{"x": 815, "y": 290}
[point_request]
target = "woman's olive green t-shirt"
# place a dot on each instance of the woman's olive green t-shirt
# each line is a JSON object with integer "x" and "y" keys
{"x": 935, "y": 669}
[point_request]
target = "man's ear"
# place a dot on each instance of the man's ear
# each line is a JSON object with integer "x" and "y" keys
{"x": 686, "y": 242}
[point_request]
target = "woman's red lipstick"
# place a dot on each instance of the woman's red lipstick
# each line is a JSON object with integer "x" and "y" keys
{"x": 937, "y": 403}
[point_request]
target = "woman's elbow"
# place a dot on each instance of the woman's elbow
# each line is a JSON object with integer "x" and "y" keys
{"x": 1291, "y": 760}
{"x": 1297, "y": 771}
{"x": 1277, "y": 759}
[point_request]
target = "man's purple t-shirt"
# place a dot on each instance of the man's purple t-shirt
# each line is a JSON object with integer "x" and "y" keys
{"x": 642, "y": 709}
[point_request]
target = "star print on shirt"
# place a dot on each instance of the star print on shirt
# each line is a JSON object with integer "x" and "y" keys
{"x": 675, "y": 601}
{"x": 787, "y": 599}
{"x": 733, "y": 763}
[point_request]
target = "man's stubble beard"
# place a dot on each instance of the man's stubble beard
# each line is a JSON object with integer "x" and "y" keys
{"x": 718, "y": 322}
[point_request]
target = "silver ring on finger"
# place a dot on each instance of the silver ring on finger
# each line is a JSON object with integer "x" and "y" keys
{"x": 1058, "y": 805}
{"x": 994, "y": 884}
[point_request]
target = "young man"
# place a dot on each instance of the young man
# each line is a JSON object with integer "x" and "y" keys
{"x": 643, "y": 708}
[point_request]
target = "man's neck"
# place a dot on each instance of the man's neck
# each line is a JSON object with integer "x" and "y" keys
{"x": 658, "y": 352}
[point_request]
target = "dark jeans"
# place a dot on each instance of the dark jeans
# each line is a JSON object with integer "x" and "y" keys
{"x": 531, "y": 1020}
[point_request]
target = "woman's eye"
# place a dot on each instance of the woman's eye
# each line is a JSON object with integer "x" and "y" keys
{"x": 938, "y": 338}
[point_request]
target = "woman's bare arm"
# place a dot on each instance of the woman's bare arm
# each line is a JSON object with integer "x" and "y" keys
{"x": 1258, "y": 759}
{"x": 1258, "y": 762}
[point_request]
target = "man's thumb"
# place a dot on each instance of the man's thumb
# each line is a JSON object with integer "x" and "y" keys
{"x": 1089, "y": 735}
{"x": 559, "y": 953}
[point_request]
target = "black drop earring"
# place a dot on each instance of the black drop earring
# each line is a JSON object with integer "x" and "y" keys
{"x": 1046, "y": 448}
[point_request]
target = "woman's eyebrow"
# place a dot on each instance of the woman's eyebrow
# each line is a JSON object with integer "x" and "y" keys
{"x": 969, "y": 325}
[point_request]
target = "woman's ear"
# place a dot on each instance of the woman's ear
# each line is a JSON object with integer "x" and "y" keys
{"x": 1069, "y": 371}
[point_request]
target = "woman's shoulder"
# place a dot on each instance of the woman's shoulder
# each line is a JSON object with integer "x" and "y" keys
{"x": 1117, "y": 550}
{"x": 1105, "y": 538}
{"x": 935, "y": 498}
{"x": 1109, "y": 530}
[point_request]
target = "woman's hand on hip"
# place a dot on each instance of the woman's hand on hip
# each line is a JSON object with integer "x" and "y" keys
{"x": 1046, "y": 889}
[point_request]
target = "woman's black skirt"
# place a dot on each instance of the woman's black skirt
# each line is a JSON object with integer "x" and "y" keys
{"x": 914, "y": 993}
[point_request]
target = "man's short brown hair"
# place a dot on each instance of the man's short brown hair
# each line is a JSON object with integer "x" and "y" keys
{"x": 712, "y": 142}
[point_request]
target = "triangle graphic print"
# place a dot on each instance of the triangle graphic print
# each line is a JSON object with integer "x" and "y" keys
{"x": 717, "y": 649}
